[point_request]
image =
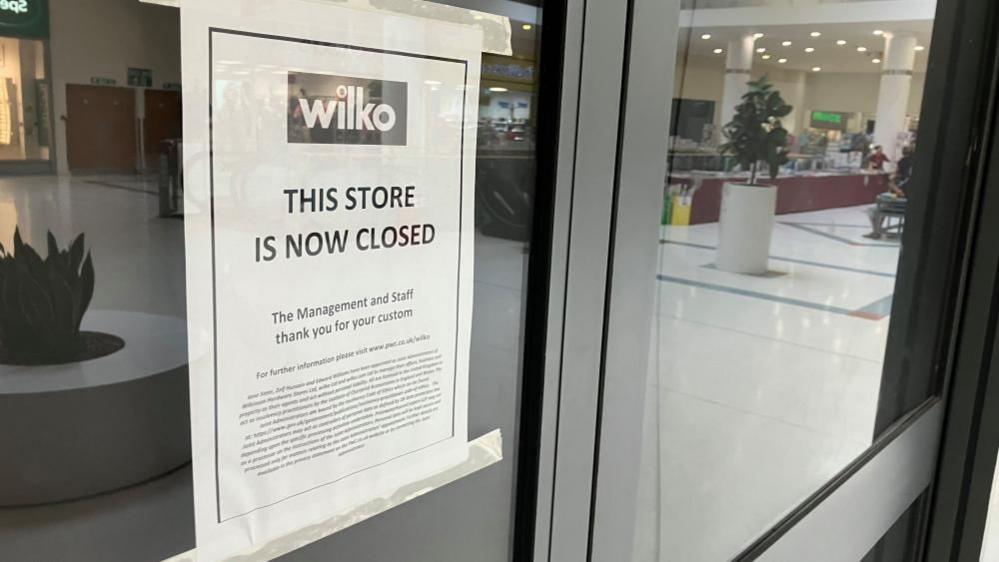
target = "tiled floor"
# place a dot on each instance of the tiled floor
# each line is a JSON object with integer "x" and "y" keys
{"x": 762, "y": 388}
{"x": 767, "y": 386}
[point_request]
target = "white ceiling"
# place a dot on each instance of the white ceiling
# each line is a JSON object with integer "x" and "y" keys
{"x": 828, "y": 55}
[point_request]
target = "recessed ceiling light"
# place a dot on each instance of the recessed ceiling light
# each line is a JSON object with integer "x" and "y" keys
{"x": 757, "y": 35}
{"x": 761, "y": 50}
{"x": 809, "y": 49}
{"x": 498, "y": 89}
{"x": 920, "y": 48}
{"x": 816, "y": 69}
{"x": 526, "y": 27}
{"x": 787, "y": 43}
{"x": 876, "y": 61}
{"x": 719, "y": 51}
{"x": 861, "y": 49}
{"x": 815, "y": 34}
{"x": 782, "y": 61}
{"x": 706, "y": 36}
{"x": 878, "y": 32}
{"x": 841, "y": 42}
{"x": 766, "y": 57}
{"x": 477, "y": 17}
{"x": 432, "y": 82}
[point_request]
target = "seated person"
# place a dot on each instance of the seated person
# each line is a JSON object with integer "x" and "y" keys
{"x": 891, "y": 202}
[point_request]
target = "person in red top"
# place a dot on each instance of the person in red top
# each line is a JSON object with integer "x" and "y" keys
{"x": 877, "y": 160}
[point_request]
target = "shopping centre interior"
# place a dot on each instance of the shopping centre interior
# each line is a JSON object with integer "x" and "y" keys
{"x": 734, "y": 440}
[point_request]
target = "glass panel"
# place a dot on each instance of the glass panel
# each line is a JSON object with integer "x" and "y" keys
{"x": 778, "y": 262}
{"x": 95, "y": 471}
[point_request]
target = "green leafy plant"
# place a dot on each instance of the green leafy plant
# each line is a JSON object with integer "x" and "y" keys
{"x": 755, "y": 133}
{"x": 42, "y": 302}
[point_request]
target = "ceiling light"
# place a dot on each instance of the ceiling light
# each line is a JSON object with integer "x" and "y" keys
{"x": 816, "y": 69}
{"x": 719, "y": 51}
{"x": 878, "y": 32}
{"x": 809, "y": 49}
{"x": 861, "y": 49}
{"x": 786, "y": 43}
{"x": 477, "y": 17}
{"x": 761, "y": 50}
{"x": 526, "y": 27}
{"x": 876, "y": 61}
{"x": 706, "y": 36}
{"x": 432, "y": 82}
{"x": 766, "y": 57}
{"x": 840, "y": 42}
{"x": 920, "y": 48}
{"x": 782, "y": 61}
{"x": 815, "y": 34}
{"x": 498, "y": 89}
{"x": 757, "y": 35}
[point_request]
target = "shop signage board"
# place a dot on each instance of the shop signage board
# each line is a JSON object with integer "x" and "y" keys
{"x": 329, "y": 184}
{"x": 829, "y": 120}
{"x": 140, "y": 77}
{"x": 28, "y": 19}
{"x": 102, "y": 81}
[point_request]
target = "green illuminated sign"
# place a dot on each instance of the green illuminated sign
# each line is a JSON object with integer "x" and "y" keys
{"x": 828, "y": 120}
{"x": 827, "y": 117}
{"x": 24, "y": 18}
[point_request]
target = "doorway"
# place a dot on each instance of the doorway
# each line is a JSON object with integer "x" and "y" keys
{"x": 162, "y": 123}
{"x": 100, "y": 129}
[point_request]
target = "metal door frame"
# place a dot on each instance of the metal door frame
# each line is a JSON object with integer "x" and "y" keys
{"x": 611, "y": 165}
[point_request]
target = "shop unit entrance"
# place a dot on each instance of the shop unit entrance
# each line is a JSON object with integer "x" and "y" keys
{"x": 100, "y": 129}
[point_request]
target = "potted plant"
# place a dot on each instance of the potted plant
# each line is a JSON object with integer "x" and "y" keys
{"x": 42, "y": 303}
{"x": 755, "y": 135}
{"x": 80, "y": 398}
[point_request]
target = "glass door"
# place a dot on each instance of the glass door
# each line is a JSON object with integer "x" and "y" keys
{"x": 97, "y": 462}
{"x": 799, "y": 229}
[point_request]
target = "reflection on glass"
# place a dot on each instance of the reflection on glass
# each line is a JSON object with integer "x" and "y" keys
{"x": 114, "y": 90}
{"x": 24, "y": 100}
{"x": 791, "y": 149}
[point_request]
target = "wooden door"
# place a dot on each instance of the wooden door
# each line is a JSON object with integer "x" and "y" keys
{"x": 100, "y": 129}
{"x": 163, "y": 122}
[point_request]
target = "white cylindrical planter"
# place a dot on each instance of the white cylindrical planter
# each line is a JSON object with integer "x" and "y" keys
{"x": 85, "y": 428}
{"x": 745, "y": 228}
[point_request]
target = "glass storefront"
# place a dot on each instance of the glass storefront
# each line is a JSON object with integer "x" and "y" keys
{"x": 25, "y": 100}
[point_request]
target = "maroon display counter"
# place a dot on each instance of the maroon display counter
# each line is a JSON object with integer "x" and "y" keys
{"x": 795, "y": 194}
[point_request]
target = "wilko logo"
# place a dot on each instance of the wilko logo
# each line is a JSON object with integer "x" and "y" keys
{"x": 328, "y": 109}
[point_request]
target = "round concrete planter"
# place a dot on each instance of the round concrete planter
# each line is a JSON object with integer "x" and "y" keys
{"x": 745, "y": 228}
{"x": 79, "y": 429}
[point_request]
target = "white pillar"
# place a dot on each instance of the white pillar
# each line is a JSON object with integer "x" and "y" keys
{"x": 893, "y": 95}
{"x": 738, "y": 65}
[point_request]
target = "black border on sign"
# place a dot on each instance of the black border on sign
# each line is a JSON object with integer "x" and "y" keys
{"x": 211, "y": 186}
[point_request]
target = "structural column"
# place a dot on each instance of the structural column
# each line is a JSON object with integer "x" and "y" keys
{"x": 893, "y": 95}
{"x": 738, "y": 65}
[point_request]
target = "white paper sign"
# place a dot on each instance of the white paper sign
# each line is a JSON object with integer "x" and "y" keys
{"x": 329, "y": 159}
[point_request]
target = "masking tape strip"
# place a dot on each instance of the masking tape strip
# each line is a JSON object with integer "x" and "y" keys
{"x": 482, "y": 452}
{"x": 495, "y": 28}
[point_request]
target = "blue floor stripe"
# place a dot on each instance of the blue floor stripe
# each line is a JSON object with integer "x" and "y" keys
{"x": 880, "y": 307}
{"x": 870, "y": 312}
{"x": 793, "y": 260}
{"x": 842, "y": 239}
